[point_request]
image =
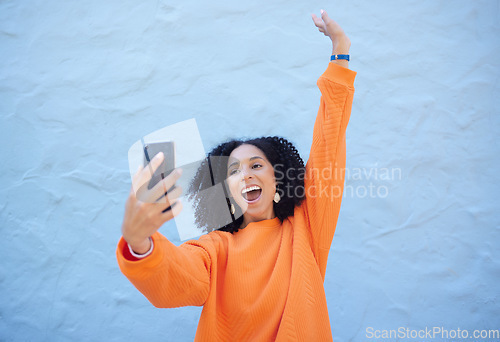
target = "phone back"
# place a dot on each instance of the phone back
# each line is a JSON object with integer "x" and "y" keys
{"x": 168, "y": 164}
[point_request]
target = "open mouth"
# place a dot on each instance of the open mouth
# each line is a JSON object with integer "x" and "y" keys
{"x": 251, "y": 194}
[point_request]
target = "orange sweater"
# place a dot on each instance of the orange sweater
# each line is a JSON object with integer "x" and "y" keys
{"x": 265, "y": 282}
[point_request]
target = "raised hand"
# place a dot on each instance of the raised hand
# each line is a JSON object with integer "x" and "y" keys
{"x": 329, "y": 27}
{"x": 144, "y": 217}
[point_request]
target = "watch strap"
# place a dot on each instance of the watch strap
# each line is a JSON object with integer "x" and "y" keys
{"x": 336, "y": 57}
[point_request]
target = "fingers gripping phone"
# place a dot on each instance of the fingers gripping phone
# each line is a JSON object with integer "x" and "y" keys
{"x": 168, "y": 164}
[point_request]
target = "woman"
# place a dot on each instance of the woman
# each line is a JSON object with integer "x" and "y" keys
{"x": 261, "y": 278}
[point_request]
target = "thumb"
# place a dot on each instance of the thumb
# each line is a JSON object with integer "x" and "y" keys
{"x": 324, "y": 16}
{"x": 332, "y": 26}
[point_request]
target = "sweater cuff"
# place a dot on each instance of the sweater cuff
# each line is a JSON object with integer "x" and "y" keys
{"x": 140, "y": 256}
{"x": 338, "y": 74}
{"x": 132, "y": 266}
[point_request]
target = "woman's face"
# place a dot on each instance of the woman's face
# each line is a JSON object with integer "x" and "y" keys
{"x": 251, "y": 181}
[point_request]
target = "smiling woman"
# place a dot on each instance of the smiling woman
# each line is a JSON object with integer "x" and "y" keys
{"x": 239, "y": 164}
{"x": 260, "y": 277}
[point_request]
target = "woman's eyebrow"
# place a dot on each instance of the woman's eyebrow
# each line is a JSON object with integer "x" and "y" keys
{"x": 256, "y": 157}
{"x": 237, "y": 162}
{"x": 234, "y": 163}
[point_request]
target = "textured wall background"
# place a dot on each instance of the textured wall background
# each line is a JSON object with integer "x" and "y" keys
{"x": 81, "y": 81}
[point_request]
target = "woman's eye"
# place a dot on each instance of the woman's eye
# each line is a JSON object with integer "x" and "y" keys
{"x": 257, "y": 165}
{"x": 233, "y": 171}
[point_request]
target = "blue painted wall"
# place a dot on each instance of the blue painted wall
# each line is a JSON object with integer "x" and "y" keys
{"x": 81, "y": 81}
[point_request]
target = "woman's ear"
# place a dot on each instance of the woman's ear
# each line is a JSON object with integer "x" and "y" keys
{"x": 227, "y": 190}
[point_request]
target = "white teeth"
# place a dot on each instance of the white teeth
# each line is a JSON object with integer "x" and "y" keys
{"x": 255, "y": 187}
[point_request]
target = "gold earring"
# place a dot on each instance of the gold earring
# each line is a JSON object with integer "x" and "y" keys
{"x": 233, "y": 210}
{"x": 277, "y": 197}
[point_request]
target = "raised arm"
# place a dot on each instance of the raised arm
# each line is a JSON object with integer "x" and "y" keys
{"x": 172, "y": 276}
{"x": 169, "y": 276}
{"x": 325, "y": 168}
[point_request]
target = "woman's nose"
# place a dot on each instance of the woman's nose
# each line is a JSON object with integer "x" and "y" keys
{"x": 246, "y": 173}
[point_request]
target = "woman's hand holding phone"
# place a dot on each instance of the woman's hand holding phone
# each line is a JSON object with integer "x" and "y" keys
{"x": 145, "y": 216}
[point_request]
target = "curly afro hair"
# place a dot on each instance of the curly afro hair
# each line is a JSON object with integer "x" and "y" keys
{"x": 289, "y": 172}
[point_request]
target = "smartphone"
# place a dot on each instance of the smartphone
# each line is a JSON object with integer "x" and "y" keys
{"x": 167, "y": 166}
